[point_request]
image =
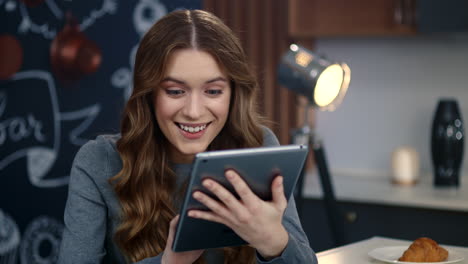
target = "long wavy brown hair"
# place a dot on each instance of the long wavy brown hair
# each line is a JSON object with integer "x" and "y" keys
{"x": 146, "y": 184}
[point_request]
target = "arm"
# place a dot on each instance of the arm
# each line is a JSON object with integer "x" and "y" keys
{"x": 85, "y": 211}
{"x": 298, "y": 249}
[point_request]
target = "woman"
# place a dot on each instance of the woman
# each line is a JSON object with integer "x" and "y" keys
{"x": 193, "y": 92}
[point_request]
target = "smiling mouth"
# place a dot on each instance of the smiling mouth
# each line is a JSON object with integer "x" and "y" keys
{"x": 193, "y": 128}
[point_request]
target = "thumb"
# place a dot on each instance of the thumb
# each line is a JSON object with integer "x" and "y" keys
{"x": 174, "y": 221}
{"x": 277, "y": 190}
{"x": 172, "y": 227}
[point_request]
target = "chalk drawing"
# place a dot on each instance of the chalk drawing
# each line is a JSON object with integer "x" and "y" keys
{"x": 42, "y": 232}
{"x": 108, "y": 7}
{"x": 145, "y": 14}
{"x": 88, "y": 114}
{"x": 49, "y": 31}
{"x": 9, "y": 6}
{"x": 42, "y": 142}
{"x": 122, "y": 78}
{"x": 9, "y": 239}
{"x": 2, "y": 104}
{"x": 18, "y": 128}
{"x": 54, "y": 9}
{"x": 27, "y": 24}
{"x": 38, "y": 155}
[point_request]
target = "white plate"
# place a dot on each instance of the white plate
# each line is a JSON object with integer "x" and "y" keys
{"x": 391, "y": 255}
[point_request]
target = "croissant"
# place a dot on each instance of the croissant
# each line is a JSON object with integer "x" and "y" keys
{"x": 424, "y": 250}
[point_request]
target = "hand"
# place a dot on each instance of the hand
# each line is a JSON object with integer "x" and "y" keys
{"x": 256, "y": 221}
{"x": 171, "y": 257}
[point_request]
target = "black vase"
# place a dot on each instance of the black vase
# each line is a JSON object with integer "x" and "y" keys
{"x": 447, "y": 143}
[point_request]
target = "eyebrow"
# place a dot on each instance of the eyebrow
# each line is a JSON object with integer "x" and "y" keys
{"x": 171, "y": 79}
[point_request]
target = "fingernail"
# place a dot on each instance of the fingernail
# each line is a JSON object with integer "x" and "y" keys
{"x": 207, "y": 184}
{"x": 280, "y": 181}
{"x": 230, "y": 175}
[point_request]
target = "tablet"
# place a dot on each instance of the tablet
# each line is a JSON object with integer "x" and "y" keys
{"x": 257, "y": 166}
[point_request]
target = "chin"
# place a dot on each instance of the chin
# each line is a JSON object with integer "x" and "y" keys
{"x": 192, "y": 150}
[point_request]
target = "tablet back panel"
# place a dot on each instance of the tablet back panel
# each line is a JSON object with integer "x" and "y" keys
{"x": 257, "y": 166}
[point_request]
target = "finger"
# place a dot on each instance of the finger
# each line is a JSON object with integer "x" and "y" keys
{"x": 212, "y": 204}
{"x": 172, "y": 226}
{"x": 226, "y": 197}
{"x": 277, "y": 190}
{"x": 209, "y": 216}
{"x": 241, "y": 187}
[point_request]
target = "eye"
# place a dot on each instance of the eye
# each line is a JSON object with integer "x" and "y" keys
{"x": 174, "y": 92}
{"x": 214, "y": 91}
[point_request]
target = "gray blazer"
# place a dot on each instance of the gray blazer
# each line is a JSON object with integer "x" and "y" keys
{"x": 92, "y": 211}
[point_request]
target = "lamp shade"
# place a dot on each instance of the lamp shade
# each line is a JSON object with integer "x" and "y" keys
{"x": 324, "y": 83}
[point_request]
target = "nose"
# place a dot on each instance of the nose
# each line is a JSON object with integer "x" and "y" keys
{"x": 194, "y": 107}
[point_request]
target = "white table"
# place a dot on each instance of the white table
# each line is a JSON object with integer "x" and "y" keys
{"x": 356, "y": 253}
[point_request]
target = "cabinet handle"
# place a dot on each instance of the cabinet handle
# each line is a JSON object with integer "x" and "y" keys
{"x": 398, "y": 12}
{"x": 351, "y": 216}
{"x": 404, "y": 12}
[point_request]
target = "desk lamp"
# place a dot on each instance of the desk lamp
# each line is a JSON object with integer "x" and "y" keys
{"x": 324, "y": 83}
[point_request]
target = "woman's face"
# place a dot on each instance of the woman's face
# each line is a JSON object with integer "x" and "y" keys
{"x": 191, "y": 103}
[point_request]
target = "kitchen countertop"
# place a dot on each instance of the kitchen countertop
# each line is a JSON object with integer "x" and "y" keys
{"x": 378, "y": 189}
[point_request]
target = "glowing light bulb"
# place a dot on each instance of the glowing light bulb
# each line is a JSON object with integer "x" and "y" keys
{"x": 328, "y": 85}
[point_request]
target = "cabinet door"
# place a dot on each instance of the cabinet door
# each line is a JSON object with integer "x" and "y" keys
{"x": 361, "y": 221}
{"x": 318, "y": 18}
{"x": 445, "y": 227}
{"x": 442, "y": 16}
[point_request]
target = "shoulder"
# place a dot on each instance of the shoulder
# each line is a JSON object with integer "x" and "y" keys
{"x": 97, "y": 148}
{"x": 269, "y": 138}
{"x": 99, "y": 155}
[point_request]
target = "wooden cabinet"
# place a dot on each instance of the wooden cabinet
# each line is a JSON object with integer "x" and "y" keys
{"x": 321, "y": 18}
{"x": 318, "y": 18}
{"x": 364, "y": 220}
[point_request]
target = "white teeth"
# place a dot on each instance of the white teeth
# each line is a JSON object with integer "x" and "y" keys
{"x": 192, "y": 129}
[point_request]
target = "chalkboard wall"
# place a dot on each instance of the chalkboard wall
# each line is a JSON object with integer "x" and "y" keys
{"x": 44, "y": 121}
